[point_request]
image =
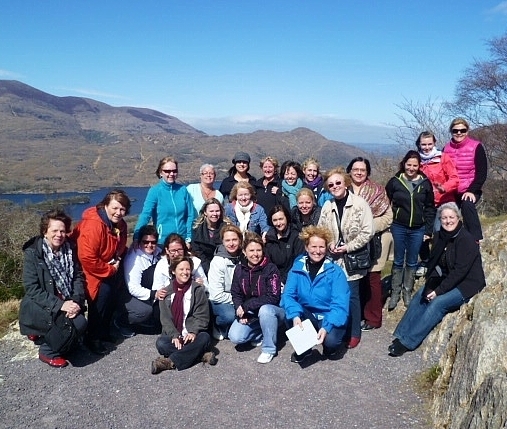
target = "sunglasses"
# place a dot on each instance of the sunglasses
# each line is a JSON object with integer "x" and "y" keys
{"x": 170, "y": 171}
{"x": 332, "y": 185}
{"x": 459, "y": 130}
{"x": 154, "y": 242}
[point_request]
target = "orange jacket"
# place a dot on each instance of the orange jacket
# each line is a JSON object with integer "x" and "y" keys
{"x": 97, "y": 244}
{"x": 442, "y": 170}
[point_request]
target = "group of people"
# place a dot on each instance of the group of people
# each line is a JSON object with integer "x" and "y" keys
{"x": 240, "y": 261}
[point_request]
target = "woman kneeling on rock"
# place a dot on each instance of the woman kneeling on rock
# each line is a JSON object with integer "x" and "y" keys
{"x": 454, "y": 276}
{"x": 184, "y": 315}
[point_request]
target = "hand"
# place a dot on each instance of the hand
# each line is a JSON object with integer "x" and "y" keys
{"x": 321, "y": 335}
{"x": 426, "y": 237}
{"x": 274, "y": 189}
{"x": 243, "y": 321}
{"x": 199, "y": 280}
{"x": 337, "y": 249}
{"x": 240, "y": 312}
{"x": 297, "y": 322}
{"x": 431, "y": 296}
{"x": 469, "y": 196}
{"x": 161, "y": 294}
{"x": 71, "y": 309}
{"x": 189, "y": 338}
{"x": 177, "y": 343}
{"x": 189, "y": 245}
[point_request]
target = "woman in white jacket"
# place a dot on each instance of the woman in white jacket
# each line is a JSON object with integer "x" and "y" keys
{"x": 220, "y": 276}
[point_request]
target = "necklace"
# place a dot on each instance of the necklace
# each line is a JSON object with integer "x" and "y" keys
{"x": 206, "y": 192}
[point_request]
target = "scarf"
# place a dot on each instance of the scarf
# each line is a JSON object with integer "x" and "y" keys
{"x": 427, "y": 158}
{"x": 376, "y": 197}
{"x": 243, "y": 215}
{"x": 61, "y": 267}
{"x": 290, "y": 191}
{"x": 177, "y": 304}
{"x": 444, "y": 237}
{"x": 315, "y": 183}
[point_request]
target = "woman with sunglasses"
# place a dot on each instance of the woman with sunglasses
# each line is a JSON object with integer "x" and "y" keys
{"x": 472, "y": 167}
{"x": 168, "y": 204}
{"x": 350, "y": 219}
{"x": 237, "y": 173}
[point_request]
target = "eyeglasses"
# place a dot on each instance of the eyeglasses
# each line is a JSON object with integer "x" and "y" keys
{"x": 358, "y": 170}
{"x": 171, "y": 171}
{"x": 174, "y": 251}
{"x": 154, "y": 242}
{"x": 459, "y": 130}
{"x": 210, "y": 173}
{"x": 332, "y": 185}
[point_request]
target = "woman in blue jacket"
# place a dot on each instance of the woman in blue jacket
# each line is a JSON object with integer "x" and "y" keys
{"x": 168, "y": 204}
{"x": 317, "y": 289}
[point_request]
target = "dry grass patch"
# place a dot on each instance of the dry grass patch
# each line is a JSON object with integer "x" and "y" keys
{"x": 9, "y": 311}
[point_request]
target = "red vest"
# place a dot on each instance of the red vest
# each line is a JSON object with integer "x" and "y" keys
{"x": 463, "y": 155}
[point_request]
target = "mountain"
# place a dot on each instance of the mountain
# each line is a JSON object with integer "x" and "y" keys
{"x": 50, "y": 143}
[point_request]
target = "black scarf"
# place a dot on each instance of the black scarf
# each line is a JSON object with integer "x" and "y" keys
{"x": 444, "y": 237}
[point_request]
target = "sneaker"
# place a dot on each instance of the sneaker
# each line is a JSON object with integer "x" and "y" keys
{"x": 265, "y": 357}
{"x": 397, "y": 349}
{"x": 295, "y": 358}
{"x": 367, "y": 327}
{"x": 421, "y": 271}
{"x": 256, "y": 343}
{"x": 217, "y": 335}
{"x": 124, "y": 330}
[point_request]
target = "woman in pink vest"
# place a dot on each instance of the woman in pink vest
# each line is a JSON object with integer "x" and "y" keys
{"x": 472, "y": 167}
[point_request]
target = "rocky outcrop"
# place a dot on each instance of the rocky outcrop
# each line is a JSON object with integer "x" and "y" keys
{"x": 471, "y": 348}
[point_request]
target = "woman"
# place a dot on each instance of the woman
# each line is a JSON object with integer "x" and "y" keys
{"x": 292, "y": 181}
{"x": 205, "y": 190}
{"x": 54, "y": 289}
{"x": 243, "y": 210}
{"x": 256, "y": 294}
{"x": 168, "y": 204}
{"x": 283, "y": 244}
{"x": 411, "y": 196}
{"x": 306, "y": 212}
{"x": 101, "y": 238}
{"x": 174, "y": 246}
{"x": 317, "y": 289}
{"x": 184, "y": 314}
{"x": 206, "y": 231}
{"x": 237, "y": 173}
{"x": 269, "y": 187}
{"x": 314, "y": 181}
{"x": 370, "y": 286}
{"x": 220, "y": 279}
{"x": 440, "y": 169}
{"x": 349, "y": 218}
{"x": 138, "y": 297}
{"x": 472, "y": 167}
{"x": 454, "y": 276}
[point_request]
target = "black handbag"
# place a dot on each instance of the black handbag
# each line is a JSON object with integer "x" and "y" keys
{"x": 62, "y": 334}
{"x": 376, "y": 247}
{"x": 357, "y": 261}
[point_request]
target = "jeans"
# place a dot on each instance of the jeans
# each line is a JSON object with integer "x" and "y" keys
{"x": 266, "y": 328}
{"x": 422, "y": 316}
{"x": 188, "y": 355}
{"x": 100, "y": 312}
{"x": 225, "y": 315}
{"x": 407, "y": 242}
{"x": 354, "y": 327}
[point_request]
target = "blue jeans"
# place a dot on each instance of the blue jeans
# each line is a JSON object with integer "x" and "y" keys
{"x": 225, "y": 315}
{"x": 407, "y": 242}
{"x": 354, "y": 328}
{"x": 422, "y": 316}
{"x": 266, "y": 328}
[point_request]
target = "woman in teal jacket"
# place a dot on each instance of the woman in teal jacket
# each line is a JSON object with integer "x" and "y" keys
{"x": 168, "y": 204}
{"x": 317, "y": 289}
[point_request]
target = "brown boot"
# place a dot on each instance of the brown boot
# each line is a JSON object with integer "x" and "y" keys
{"x": 209, "y": 358}
{"x": 161, "y": 364}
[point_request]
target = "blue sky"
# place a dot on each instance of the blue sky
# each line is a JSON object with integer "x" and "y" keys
{"x": 337, "y": 67}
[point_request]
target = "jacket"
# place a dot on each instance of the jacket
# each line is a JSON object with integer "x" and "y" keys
{"x": 464, "y": 264}
{"x": 326, "y": 297}
{"x": 194, "y": 190}
{"x": 197, "y": 318}
{"x": 203, "y": 246}
{"x": 135, "y": 263}
{"x": 258, "y": 221}
{"x": 162, "y": 277}
{"x": 229, "y": 182}
{"x": 414, "y": 209}
{"x": 98, "y": 242}
{"x": 220, "y": 276}
{"x": 254, "y": 287}
{"x": 284, "y": 250}
{"x": 441, "y": 170}
{"x": 297, "y": 218}
{"x": 40, "y": 305}
{"x": 170, "y": 207}
{"x": 265, "y": 196}
{"x": 471, "y": 163}
{"x": 356, "y": 225}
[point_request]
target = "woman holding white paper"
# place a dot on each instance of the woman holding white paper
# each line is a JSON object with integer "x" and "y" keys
{"x": 317, "y": 290}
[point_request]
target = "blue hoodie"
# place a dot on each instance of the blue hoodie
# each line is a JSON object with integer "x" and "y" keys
{"x": 170, "y": 207}
{"x": 327, "y": 297}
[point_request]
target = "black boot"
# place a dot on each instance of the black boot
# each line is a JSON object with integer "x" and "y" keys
{"x": 396, "y": 281}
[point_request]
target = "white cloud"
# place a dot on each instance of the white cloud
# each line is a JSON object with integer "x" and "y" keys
{"x": 7, "y": 74}
{"x": 500, "y": 8}
{"x": 92, "y": 93}
{"x": 330, "y": 126}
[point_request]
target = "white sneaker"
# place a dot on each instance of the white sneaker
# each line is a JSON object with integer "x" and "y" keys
{"x": 421, "y": 271}
{"x": 265, "y": 357}
{"x": 217, "y": 335}
{"x": 256, "y": 343}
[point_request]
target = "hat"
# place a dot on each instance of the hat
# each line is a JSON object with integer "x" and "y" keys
{"x": 241, "y": 156}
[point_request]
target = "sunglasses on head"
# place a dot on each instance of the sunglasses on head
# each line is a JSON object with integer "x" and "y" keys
{"x": 171, "y": 171}
{"x": 459, "y": 130}
{"x": 332, "y": 185}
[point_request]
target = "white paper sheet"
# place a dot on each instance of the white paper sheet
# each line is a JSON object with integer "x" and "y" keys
{"x": 302, "y": 339}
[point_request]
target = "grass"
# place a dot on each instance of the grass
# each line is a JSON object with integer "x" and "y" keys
{"x": 8, "y": 313}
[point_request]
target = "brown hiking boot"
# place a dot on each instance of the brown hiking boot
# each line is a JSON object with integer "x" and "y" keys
{"x": 161, "y": 364}
{"x": 209, "y": 358}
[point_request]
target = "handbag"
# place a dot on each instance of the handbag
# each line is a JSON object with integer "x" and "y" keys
{"x": 62, "y": 334}
{"x": 357, "y": 261}
{"x": 376, "y": 247}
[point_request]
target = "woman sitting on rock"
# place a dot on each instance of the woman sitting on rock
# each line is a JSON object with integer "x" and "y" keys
{"x": 454, "y": 276}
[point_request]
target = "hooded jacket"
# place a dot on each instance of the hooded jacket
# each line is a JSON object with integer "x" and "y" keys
{"x": 220, "y": 276}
